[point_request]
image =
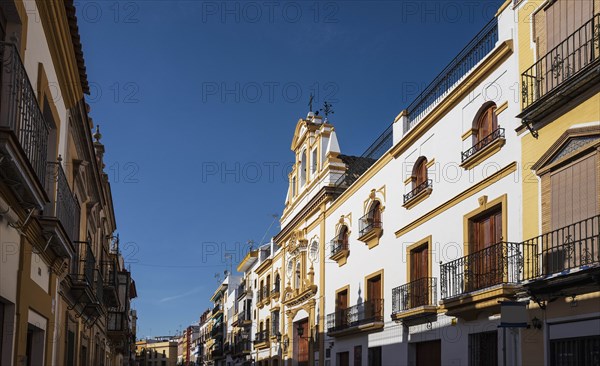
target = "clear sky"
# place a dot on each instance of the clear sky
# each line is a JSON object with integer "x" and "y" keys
{"x": 198, "y": 101}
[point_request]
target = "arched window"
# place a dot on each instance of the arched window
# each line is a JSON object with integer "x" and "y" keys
{"x": 297, "y": 282}
{"x": 277, "y": 283}
{"x": 303, "y": 165}
{"x": 342, "y": 238}
{"x": 485, "y": 122}
{"x": 374, "y": 215}
{"x": 419, "y": 173}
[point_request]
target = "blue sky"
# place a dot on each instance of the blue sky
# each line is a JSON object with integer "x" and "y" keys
{"x": 197, "y": 103}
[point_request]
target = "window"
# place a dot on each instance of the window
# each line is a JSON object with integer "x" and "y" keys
{"x": 313, "y": 161}
{"x": 275, "y": 324}
{"x": 485, "y": 231}
{"x": 374, "y": 357}
{"x": 574, "y": 351}
{"x": 373, "y": 303}
{"x": 419, "y": 174}
{"x": 483, "y": 349}
{"x": 277, "y": 284}
{"x": 419, "y": 273}
{"x": 298, "y": 276}
{"x": 343, "y": 236}
{"x": 303, "y": 167}
{"x": 429, "y": 353}
{"x": 293, "y": 186}
{"x": 485, "y": 123}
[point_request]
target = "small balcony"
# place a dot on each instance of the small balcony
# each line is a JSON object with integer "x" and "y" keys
{"x": 264, "y": 296}
{"x": 111, "y": 296}
{"x": 481, "y": 279}
{"x": 261, "y": 339}
{"x": 483, "y": 149}
{"x": 118, "y": 327}
{"x": 416, "y": 300}
{"x": 418, "y": 194}
{"x": 275, "y": 292}
{"x": 339, "y": 251}
{"x": 80, "y": 280}
{"x": 23, "y": 132}
{"x": 370, "y": 227}
{"x": 60, "y": 217}
{"x": 564, "y": 73}
{"x": 242, "y": 348}
{"x": 244, "y": 318}
{"x": 567, "y": 260}
{"x": 217, "y": 309}
{"x": 217, "y": 330}
{"x": 364, "y": 317}
{"x": 242, "y": 290}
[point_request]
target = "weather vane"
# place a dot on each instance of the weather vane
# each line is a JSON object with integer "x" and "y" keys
{"x": 310, "y": 101}
{"x": 327, "y": 109}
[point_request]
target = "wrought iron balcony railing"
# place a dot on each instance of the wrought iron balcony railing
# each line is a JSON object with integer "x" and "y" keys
{"x": 417, "y": 293}
{"x": 63, "y": 203}
{"x": 217, "y": 330}
{"x": 265, "y": 292}
{"x": 368, "y": 222}
{"x": 482, "y": 144}
{"x": 501, "y": 263}
{"x": 244, "y": 316}
{"x": 562, "y": 63}
{"x": 261, "y": 336}
{"x": 576, "y": 246}
{"x": 418, "y": 189}
{"x": 241, "y": 347}
{"x": 117, "y": 321}
{"x": 370, "y": 311}
{"x": 337, "y": 246}
{"x": 276, "y": 288}
{"x": 477, "y": 49}
{"x": 217, "y": 308}
{"x": 82, "y": 266}
{"x": 20, "y": 111}
{"x": 241, "y": 290}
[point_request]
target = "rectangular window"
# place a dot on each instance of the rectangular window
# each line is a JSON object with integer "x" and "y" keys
{"x": 357, "y": 355}
{"x": 70, "y": 349}
{"x": 419, "y": 271}
{"x": 575, "y": 351}
{"x": 483, "y": 349}
{"x": 313, "y": 161}
{"x": 485, "y": 257}
{"x": 343, "y": 359}
{"x": 375, "y": 356}
{"x": 275, "y": 322}
{"x": 429, "y": 353}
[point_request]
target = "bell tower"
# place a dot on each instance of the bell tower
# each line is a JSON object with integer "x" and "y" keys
{"x": 317, "y": 164}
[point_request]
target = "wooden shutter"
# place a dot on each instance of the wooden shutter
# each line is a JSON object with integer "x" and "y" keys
{"x": 419, "y": 265}
{"x": 429, "y": 353}
{"x": 574, "y": 192}
{"x": 563, "y": 18}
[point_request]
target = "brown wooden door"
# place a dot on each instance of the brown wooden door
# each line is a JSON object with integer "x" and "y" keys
{"x": 344, "y": 359}
{"x": 485, "y": 258}
{"x": 341, "y": 305}
{"x": 373, "y": 308}
{"x": 303, "y": 346}
{"x": 419, "y": 271}
{"x": 429, "y": 353}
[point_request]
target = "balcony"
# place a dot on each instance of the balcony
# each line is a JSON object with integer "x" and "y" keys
{"x": 217, "y": 330}
{"x": 261, "y": 339}
{"x": 244, "y": 318}
{"x": 60, "y": 217}
{"x": 264, "y": 295}
{"x": 242, "y": 348}
{"x": 483, "y": 149}
{"x": 564, "y": 73}
{"x": 568, "y": 260}
{"x": 364, "y": 317}
{"x": 80, "y": 279}
{"x": 242, "y": 290}
{"x": 481, "y": 279}
{"x": 370, "y": 228}
{"x": 415, "y": 301}
{"x": 418, "y": 194}
{"x": 275, "y": 292}
{"x": 339, "y": 251}
{"x": 23, "y": 132}
{"x": 217, "y": 309}
{"x": 117, "y": 327}
{"x": 111, "y": 295}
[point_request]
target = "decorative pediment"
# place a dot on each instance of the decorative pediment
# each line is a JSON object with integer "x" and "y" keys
{"x": 567, "y": 145}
